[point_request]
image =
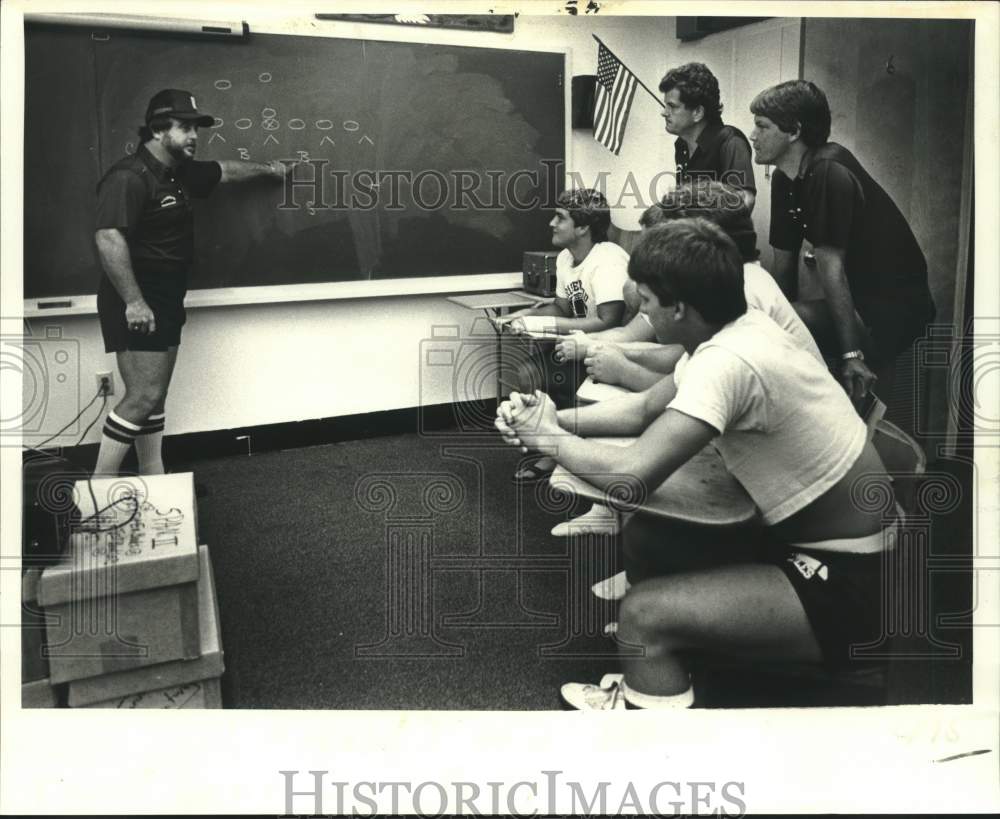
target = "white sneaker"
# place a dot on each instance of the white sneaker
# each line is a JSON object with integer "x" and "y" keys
{"x": 612, "y": 588}
{"x": 599, "y": 520}
{"x": 607, "y": 696}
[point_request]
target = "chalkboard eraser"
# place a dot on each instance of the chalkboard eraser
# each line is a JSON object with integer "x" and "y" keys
{"x": 244, "y": 29}
{"x": 52, "y": 305}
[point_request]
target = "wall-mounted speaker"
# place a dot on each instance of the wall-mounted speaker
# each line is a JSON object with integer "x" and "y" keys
{"x": 583, "y": 100}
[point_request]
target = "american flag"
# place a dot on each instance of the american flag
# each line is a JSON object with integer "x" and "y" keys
{"x": 613, "y": 99}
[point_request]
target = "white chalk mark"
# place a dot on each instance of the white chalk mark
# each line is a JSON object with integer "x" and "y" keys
{"x": 367, "y": 139}
{"x": 130, "y": 147}
{"x": 265, "y": 76}
{"x": 223, "y": 85}
{"x": 327, "y": 139}
{"x": 219, "y": 122}
{"x": 270, "y": 125}
{"x": 351, "y": 125}
{"x": 216, "y": 136}
{"x": 244, "y": 153}
{"x": 240, "y": 123}
{"x": 269, "y": 113}
{"x": 324, "y": 124}
{"x": 296, "y": 124}
{"x": 272, "y": 138}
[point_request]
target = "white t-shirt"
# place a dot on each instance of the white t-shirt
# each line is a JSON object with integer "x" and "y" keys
{"x": 762, "y": 292}
{"x": 788, "y": 429}
{"x": 598, "y": 279}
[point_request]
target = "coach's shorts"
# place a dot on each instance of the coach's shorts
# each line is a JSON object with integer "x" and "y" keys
{"x": 843, "y": 595}
{"x": 165, "y": 296}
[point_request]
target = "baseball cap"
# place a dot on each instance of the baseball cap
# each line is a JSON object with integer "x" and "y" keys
{"x": 172, "y": 102}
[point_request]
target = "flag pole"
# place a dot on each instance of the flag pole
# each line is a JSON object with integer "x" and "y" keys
{"x": 646, "y": 87}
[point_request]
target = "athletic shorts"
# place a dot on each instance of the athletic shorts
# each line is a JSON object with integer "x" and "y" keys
{"x": 843, "y": 595}
{"x": 165, "y": 296}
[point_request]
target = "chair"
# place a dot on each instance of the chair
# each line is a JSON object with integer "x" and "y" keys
{"x": 904, "y": 460}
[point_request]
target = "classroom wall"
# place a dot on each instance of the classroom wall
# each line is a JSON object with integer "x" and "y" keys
{"x": 260, "y": 364}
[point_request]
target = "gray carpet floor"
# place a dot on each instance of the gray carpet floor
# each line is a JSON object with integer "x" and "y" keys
{"x": 409, "y": 572}
{"x": 404, "y": 572}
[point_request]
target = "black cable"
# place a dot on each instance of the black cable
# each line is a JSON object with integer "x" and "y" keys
{"x": 93, "y": 498}
{"x": 90, "y": 487}
{"x": 100, "y": 412}
{"x": 97, "y": 395}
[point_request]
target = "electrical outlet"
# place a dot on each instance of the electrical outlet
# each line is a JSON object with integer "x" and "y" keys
{"x": 105, "y": 383}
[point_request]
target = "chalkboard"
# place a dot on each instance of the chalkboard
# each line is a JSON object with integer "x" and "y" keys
{"x": 417, "y": 160}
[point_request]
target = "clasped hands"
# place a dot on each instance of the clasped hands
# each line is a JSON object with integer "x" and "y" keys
{"x": 529, "y": 421}
{"x": 605, "y": 362}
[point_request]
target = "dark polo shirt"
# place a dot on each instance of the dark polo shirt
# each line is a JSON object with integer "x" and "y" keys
{"x": 835, "y": 203}
{"x": 722, "y": 153}
{"x": 151, "y": 204}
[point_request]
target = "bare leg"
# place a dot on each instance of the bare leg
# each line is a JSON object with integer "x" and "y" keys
{"x": 149, "y": 442}
{"x": 171, "y": 363}
{"x": 750, "y": 610}
{"x": 146, "y": 376}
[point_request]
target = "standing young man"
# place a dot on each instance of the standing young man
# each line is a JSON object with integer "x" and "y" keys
{"x": 705, "y": 146}
{"x": 867, "y": 258}
{"x": 145, "y": 243}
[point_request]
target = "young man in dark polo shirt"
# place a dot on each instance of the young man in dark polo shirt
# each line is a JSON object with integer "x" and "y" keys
{"x": 705, "y": 147}
{"x": 872, "y": 271}
{"x": 145, "y": 242}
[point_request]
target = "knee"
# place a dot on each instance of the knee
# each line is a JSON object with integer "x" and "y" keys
{"x": 647, "y": 615}
{"x": 146, "y": 399}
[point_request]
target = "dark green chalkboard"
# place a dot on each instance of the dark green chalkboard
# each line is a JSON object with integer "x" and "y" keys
{"x": 490, "y": 121}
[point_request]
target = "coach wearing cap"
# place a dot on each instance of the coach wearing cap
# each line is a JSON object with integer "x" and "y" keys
{"x": 145, "y": 242}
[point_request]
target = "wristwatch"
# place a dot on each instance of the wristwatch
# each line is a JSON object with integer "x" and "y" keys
{"x": 860, "y": 356}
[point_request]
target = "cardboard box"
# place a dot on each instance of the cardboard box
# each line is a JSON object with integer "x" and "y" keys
{"x": 209, "y": 665}
{"x": 38, "y": 694}
{"x": 125, "y": 596}
{"x": 199, "y": 694}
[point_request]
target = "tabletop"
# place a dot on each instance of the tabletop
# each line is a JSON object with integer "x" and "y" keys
{"x": 701, "y": 491}
{"x": 495, "y": 301}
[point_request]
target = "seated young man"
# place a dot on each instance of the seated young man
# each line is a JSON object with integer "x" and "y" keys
{"x": 640, "y": 367}
{"x": 590, "y": 275}
{"x": 624, "y": 355}
{"x": 785, "y": 430}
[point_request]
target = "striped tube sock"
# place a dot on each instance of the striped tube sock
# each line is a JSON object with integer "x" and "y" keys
{"x": 116, "y": 439}
{"x": 149, "y": 446}
{"x": 685, "y": 699}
